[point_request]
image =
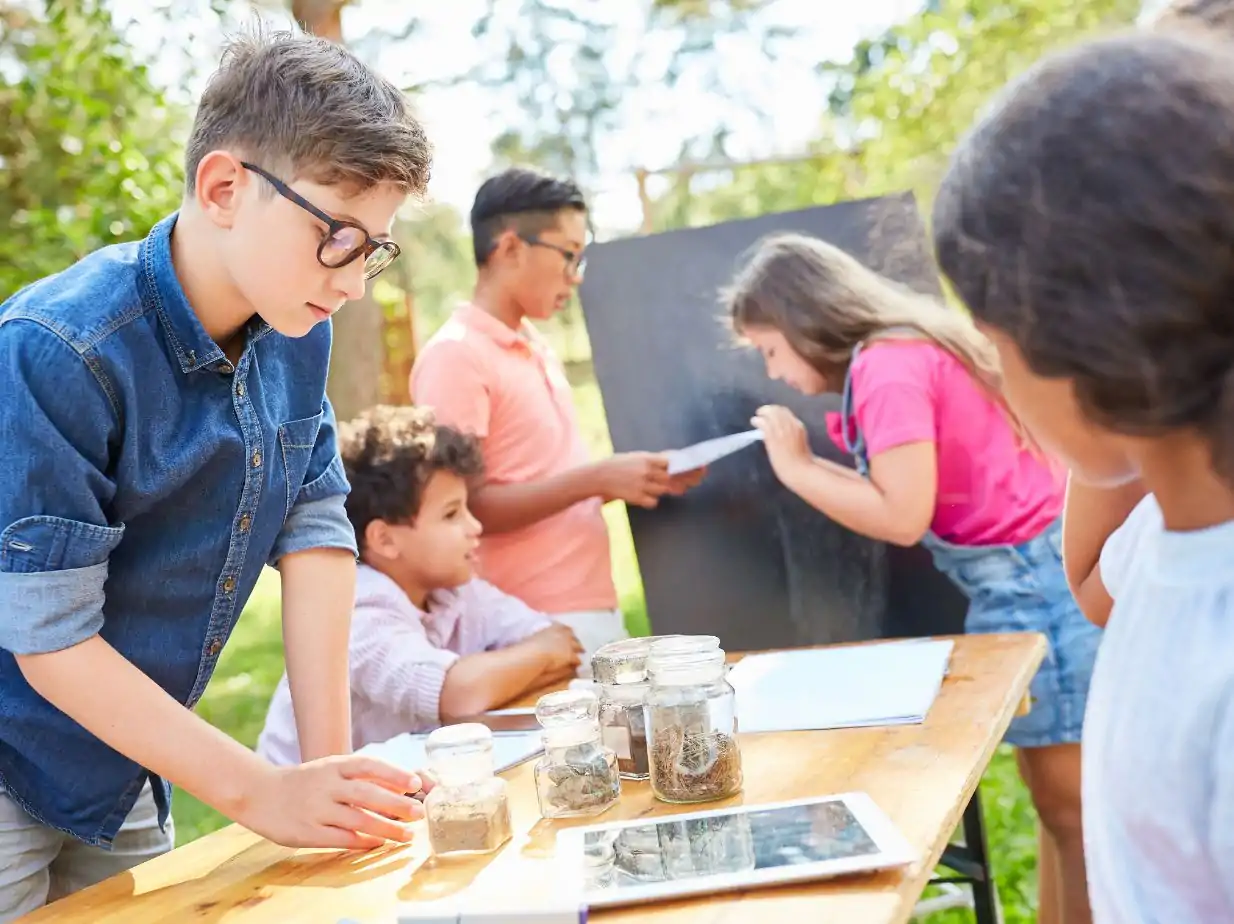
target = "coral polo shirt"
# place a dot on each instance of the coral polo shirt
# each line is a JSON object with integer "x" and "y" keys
{"x": 510, "y": 390}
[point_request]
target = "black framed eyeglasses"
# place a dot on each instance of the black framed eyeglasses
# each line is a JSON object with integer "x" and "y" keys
{"x": 576, "y": 262}
{"x": 345, "y": 241}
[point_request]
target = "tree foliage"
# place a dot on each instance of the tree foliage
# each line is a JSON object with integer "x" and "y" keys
{"x": 568, "y": 78}
{"x": 91, "y": 149}
{"x": 899, "y": 105}
{"x": 93, "y": 145}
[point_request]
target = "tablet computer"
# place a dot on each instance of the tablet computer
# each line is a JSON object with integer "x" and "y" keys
{"x": 737, "y": 847}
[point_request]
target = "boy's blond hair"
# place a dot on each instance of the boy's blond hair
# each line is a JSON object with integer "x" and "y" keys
{"x": 302, "y": 106}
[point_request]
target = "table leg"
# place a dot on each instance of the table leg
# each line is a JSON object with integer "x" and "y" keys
{"x": 971, "y": 861}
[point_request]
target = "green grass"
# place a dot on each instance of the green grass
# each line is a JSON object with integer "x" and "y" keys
{"x": 252, "y": 663}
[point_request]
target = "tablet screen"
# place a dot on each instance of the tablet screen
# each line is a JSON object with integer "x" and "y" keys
{"x": 740, "y": 841}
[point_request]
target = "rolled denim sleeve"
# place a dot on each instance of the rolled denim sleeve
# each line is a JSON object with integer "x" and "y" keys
{"x": 56, "y": 426}
{"x": 318, "y": 519}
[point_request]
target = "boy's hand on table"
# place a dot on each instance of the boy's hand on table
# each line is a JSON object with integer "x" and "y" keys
{"x": 560, "y": 648}
{"x": 350, "y": 802}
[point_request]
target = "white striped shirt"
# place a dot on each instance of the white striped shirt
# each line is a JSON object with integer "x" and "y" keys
{"x": 400, "y": 656}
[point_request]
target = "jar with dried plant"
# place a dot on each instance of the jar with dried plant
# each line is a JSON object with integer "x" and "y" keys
{"x": 691, "y": 722}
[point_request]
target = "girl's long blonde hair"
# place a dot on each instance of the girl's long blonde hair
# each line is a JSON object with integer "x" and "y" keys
{"x": 825, "y": 302}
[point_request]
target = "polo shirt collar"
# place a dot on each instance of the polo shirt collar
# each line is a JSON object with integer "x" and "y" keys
{"x": 482, "y": 322}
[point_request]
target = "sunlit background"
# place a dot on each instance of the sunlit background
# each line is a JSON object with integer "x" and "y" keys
{"x": 670, "y": 113}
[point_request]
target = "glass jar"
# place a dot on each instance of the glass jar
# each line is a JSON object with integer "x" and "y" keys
{"x": 577, "y": 775}
{"x": 468, "y": 811}
{"x": 691, "y": 723}
{"x": 663, "y": 645}
{"x": 619, "y": 670}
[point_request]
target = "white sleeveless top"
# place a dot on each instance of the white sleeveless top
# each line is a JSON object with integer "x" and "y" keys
{"x": 1158, "y": 766}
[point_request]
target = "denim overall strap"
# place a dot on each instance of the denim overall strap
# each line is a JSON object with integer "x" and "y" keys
{"x": 854, "y": 442}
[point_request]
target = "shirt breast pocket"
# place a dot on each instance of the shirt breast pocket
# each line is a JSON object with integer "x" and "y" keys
{"x": 296, "y": 441}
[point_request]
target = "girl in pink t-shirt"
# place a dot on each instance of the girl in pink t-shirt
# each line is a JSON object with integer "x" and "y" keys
{"x": 939, "y": 460}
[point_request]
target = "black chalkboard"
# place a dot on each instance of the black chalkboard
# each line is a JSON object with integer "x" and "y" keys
{"x": 741, "y": 557}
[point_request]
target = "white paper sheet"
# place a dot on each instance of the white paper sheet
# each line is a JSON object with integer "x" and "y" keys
{"x": 708, "y": 451}
{"x": 893, "y": 683}
{"x": 408, "y": 753}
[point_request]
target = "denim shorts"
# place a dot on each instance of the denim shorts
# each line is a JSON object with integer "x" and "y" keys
{"x": 1022, "y": 588}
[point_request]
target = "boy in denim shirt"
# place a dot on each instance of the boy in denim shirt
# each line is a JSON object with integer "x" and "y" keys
{"x": 164, "y": 434}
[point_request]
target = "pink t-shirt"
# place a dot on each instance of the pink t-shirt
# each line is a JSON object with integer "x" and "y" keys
{"x": 510, "y": 390}
{"x": 992, "y": 490}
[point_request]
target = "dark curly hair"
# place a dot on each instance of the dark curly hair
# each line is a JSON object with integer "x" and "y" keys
{"x": 390, "y": 454}
{"x": 1090, "y": 217}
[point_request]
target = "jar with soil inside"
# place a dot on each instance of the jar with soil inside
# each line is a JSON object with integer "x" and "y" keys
{"x": 577, "y": 775}
{"x": 692, "y": 726}
{"x": 468, "y": 811}
{"x": 624, "y": 729}
{"x": 620, "y": 672}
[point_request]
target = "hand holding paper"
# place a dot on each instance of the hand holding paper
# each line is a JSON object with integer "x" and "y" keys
{"x": 701, "y": 454}
{"x": 788, "y": 447}
{"x": 638, "y": 478}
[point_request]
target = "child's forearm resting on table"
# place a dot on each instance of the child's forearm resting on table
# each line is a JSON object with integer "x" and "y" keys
{"x": 885, "y": 506}
{"x": 1090, "y": 516}
{"x": 94, "y": 684}
{"x": 318, "y": 595}
{"x": 490, "y": 679}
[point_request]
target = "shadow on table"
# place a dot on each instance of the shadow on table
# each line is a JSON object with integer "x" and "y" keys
{"x": 254, "y": 880}
{"x": 440, "y": 877}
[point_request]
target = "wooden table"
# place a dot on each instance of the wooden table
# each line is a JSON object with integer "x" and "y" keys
{"x": 921, "y": 775}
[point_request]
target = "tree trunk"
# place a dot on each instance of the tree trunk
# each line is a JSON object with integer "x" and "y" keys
{"x": 320, "y": 17}
{"x": 358, "y": 356}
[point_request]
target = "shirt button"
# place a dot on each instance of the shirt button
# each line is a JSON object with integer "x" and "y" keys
{"x": 215, "y": 647}
{"x": 227, "y": 369}
{"x": 240, "y": 389}
{"x": 245, "y": 522}
{"x": 229, "y": 584}
{"x": 257, "y": 460}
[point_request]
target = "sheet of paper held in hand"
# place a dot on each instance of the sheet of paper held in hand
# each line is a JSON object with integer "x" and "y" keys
{"x": 708, "y": 451}
{"x": 893, "y": 683}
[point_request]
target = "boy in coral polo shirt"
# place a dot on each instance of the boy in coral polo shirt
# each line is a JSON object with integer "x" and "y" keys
{"x": 488, "y": 372}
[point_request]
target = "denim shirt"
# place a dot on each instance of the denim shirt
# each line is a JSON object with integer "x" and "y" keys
{"x": 144, "y": 482}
